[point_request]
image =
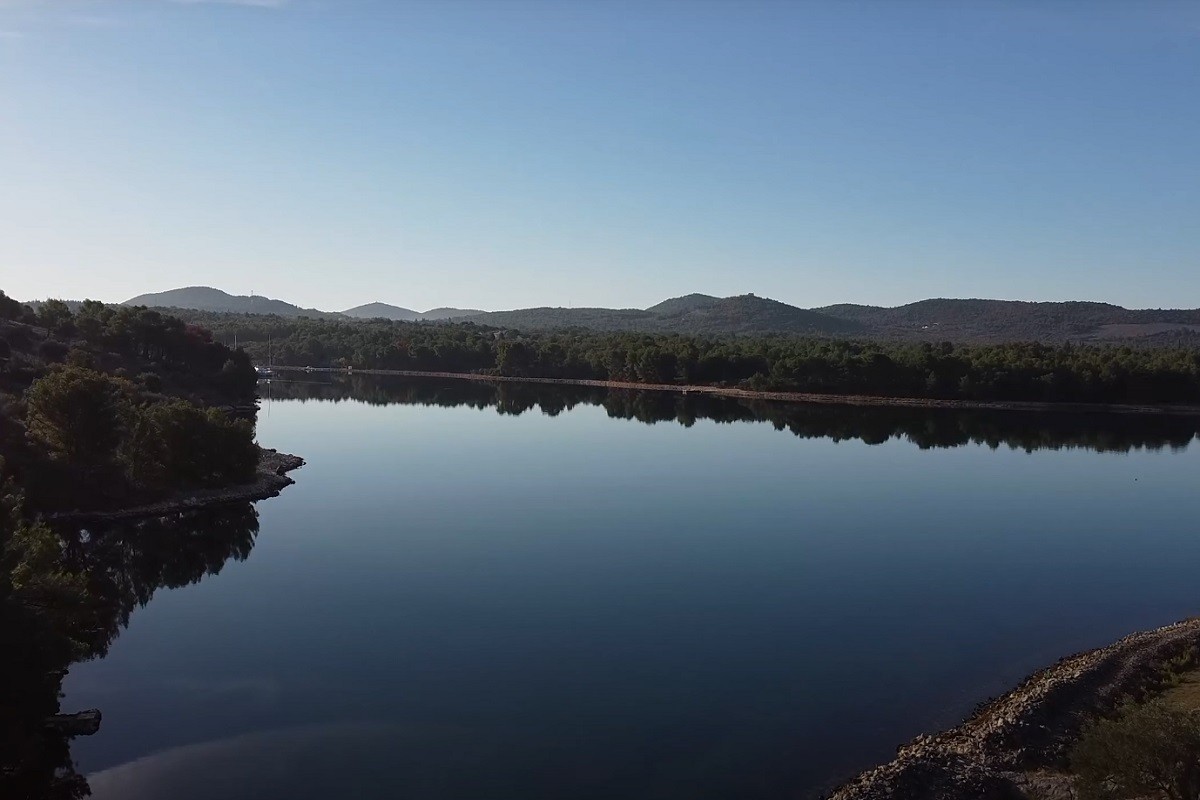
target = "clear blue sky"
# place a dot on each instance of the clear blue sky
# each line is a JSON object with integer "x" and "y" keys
{"x": 502, "y": 154}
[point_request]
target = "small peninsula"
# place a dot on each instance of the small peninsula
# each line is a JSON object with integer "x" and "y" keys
{"x": 122, "y": 431}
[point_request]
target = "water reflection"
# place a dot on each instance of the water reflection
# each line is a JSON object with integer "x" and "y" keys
{"x": 461, "y": 604}
{"x": 343, "y": 759}
{"x": 123, "y": 565}
{"x": 926, "y": 428}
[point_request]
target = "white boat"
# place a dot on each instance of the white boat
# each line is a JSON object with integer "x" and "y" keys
{"x": 267, "y": 371}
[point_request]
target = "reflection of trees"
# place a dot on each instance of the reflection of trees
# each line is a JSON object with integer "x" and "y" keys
{"x": 126, "y": 564}
{"x": 123, "y": 564}
{"x": 926, "y": 428}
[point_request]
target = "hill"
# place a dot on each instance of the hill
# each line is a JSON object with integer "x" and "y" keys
{"x": 750, "y": 314}
{"x": 206, "y": 298}
{"x": 695, "y": 313}
{"x": 936, "y": 319}
{"x": 449, "y": 313}
{"x": 382, "y": 311}
{"x": 680, "y": 305}
{"x": 1008, "y": 320}
{"x": 386, "y": 311}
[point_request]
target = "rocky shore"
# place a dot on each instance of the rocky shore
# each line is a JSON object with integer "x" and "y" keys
{"x": 1015, "y": 746}
{"x": 269, "y": 481}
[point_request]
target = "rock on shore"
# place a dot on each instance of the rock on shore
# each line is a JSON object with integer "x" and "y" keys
{"x": 1020, "y": 740}
{"x": 83, "y": 723}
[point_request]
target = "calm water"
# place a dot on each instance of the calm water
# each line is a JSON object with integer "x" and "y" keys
{"x": 566, "y": 602}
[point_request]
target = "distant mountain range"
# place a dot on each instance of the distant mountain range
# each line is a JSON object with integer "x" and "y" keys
{"x": 935, "y": 320}
{"x": 695, "y": 313}
{"x": 385, "y": 311}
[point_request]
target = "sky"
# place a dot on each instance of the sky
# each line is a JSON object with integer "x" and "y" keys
{"x": 506, "y": 154}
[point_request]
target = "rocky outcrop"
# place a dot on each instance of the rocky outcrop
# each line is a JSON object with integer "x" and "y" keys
{"x": 1017, "y": 741}
{"x": 83, "y": 723}
{"x": 277, "y": 463}
{"x": 270, "y": 479}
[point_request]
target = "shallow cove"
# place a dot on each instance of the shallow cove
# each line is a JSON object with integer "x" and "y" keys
{"x": 558, "y": 600}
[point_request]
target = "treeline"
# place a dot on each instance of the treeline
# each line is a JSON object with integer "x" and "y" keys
{"x": 82, "y": 439}
{"x": 998, "y": 372}
{"x": 925, "y": 428}
{"x": 155, "y": 348}
{"x": 104, "y": 407}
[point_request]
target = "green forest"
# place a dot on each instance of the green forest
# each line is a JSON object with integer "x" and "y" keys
{"x": 105, "y": 407}
{"x": 1026, "y": 371}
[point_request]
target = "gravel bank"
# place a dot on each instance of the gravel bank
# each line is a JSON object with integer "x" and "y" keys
{"x": 1019, "y": 740}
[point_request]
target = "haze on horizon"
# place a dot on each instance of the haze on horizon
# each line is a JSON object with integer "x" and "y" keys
{"x": 515, "y": 154}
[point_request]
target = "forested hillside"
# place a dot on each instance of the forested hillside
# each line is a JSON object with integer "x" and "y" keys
{"x": 744, "y": 314}
{"x": 1010, "y": 320}
{"x": 387, "y": 311}
{"x": 110, "y": 406}
{"x": 208, "y": 299}
{"x": 935, "y": 320}
{"x": 100, "y": 408}
{"x": 1016, "y": 371}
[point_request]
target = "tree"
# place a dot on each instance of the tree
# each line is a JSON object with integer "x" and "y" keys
{"x": 53, "y": 351}
{"x": 92, "y": 319}
{"x": 513, "y": 358}
{"x": 191, "y": 446}
{"x": 9, "y": 308}
{"x": 57, "y": 317}
{"x": 1148, "y": 750}
{"x": 78, "y": 413}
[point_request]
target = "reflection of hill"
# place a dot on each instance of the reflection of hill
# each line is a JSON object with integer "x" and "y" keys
{"x": 123, "y": 565}
{"x": 925, "y": 428}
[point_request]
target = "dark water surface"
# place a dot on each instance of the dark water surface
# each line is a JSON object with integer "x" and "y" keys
{"x": 559, "y": 601}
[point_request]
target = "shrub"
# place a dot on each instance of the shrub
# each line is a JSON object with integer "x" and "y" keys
{"x": 1148, "y": 750}
{"x": 52, "y": 351}
{"x": 78, "y": 414}
{"x": 78, "y": 357}
{"x": 150, "y": 381}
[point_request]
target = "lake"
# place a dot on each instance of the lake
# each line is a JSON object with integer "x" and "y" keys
{"x": 514, "y": 591}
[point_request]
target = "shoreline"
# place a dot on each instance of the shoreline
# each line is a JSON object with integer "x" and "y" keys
{"x": 789, "y": 397}
{"x": 1018, "y": 742}
{"x": 271, "y": 479}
